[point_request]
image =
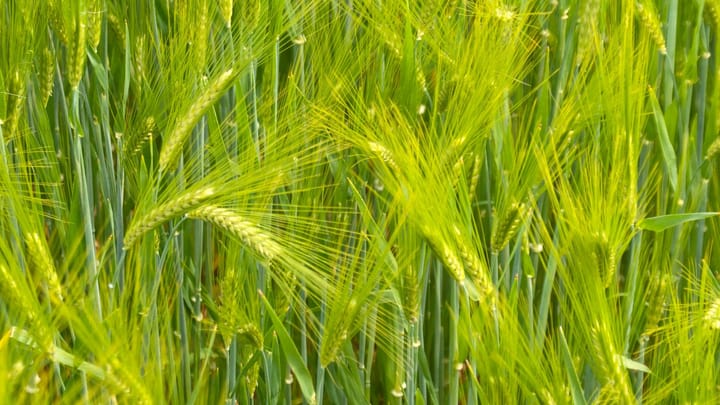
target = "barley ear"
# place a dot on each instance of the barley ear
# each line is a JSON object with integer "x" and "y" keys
{"x": 656, "y": 303}
{"x": 186, "y": 121}
{"x": 226, "y": 11}
{"x": 713, "y": 149}
{"x": 40, "y": 259}
{"x": 57, "y": 22}
{"x": 650, "y": 22}
{"x": 164, "y": 212}
{"x": 712, "y": 315}
{"x": 76, "y": 61}
{"x": 248, "y": 232}
{"x": 384, "y": 154}
{"x": 507, "y": 226}
{"x": 94, "y": 18}
{"x": 15, "y": 101}
{"x": 446, "y": 253}
{"x": 46, "y": 75}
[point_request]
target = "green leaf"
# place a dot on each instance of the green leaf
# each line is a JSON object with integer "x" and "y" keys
{"x": 631, "y": 364}
{"x": 668, "y": 152}
{"x": 293, "y": 355}
{"x": 663, "y": 222}
{"x": 575, "y": 386}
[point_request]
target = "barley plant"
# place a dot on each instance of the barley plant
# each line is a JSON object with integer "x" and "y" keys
{"x": 359, "y": 201}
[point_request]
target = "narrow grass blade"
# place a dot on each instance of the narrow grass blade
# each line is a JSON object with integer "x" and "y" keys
{"x": 292, "y": 354}
{"x": 668, "y": 152}
{"x": 575, "y": 386}
{"x": 663, "y": 222}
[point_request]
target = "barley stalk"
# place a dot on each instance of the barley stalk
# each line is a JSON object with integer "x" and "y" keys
{"x": 164, "y": 212}
{"x": 248, "y": 232}
{"x": 181, "y": 130}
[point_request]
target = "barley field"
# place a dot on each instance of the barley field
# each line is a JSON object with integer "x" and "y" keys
{"x": 359, "y": 202}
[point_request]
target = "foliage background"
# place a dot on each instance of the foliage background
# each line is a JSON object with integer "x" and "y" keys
{"x": 362, "y": 201}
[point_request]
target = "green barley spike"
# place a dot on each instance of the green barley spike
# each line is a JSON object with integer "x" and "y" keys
{"x": 508, "y": 226}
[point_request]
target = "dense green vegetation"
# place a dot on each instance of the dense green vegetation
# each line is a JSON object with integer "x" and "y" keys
{"x": 359, "y": 201}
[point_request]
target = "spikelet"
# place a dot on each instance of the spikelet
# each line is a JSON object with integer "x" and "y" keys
{"x": 117, "y": 26}
{"x": 712, "y": 315}
{"x": 336, "y": 330}
{"x": 226, "y": 10}
{"x": 473, "y": 265}
{"x": 15, "y": 101}
{"x": 186, "y": 122}
{"x": 507, "y": 227}
{"x": 57, "y": 22}
{"x": 249, "y": 233}
{"x": 384, "y": 154}
{"x": 712, "y": 7}
{"x": 604, "y": 256}
{"x": 713, "y": 149}
{"x": 138, "y": 56}
{"x": 616, "y": 388}
{"x": 475, "y": 177}
{"x": 46, "y": 75}
{"x": 649, "y": 20}
{"x": 410, "y": 293}
{"x": 201, "y": 33}
{"x": 94, "y": 19}
{"x": 40, "y": 258}
{"x": 16, "y": 296}
{"x": 656, "y": 304}
{"x": 445, "y": 252}
{"x": 76, "y": 61}
{"x": 127, "y": 381}
{"x": 164, "y": 212}
{"x": 586, "y": 25}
